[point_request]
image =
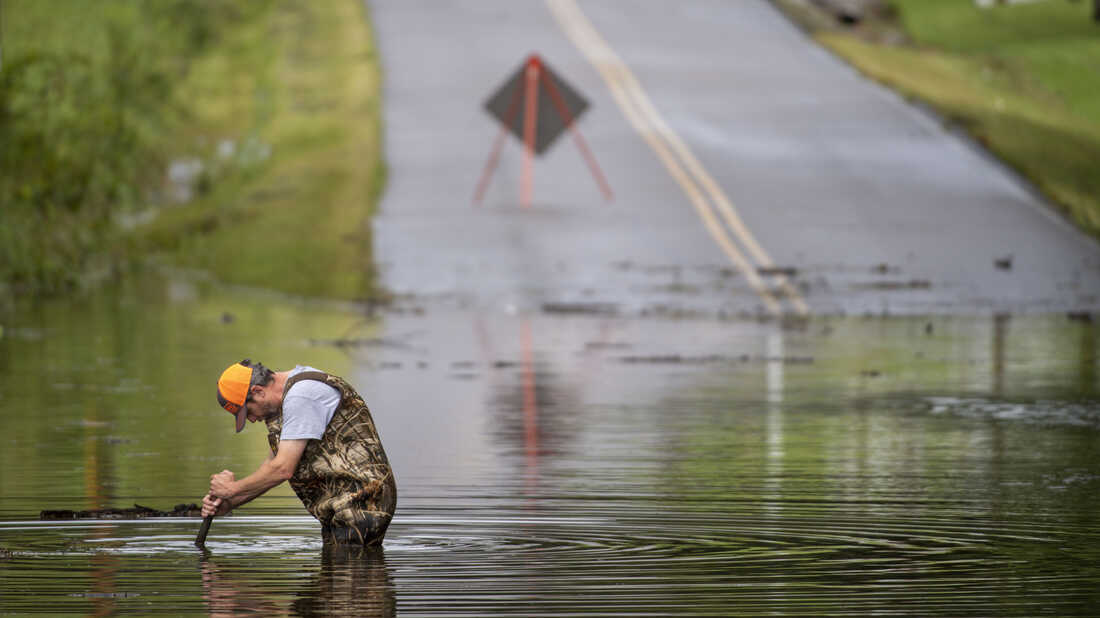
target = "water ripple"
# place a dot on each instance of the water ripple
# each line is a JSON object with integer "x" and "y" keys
{"x": 613, "y": 560}
{"x": 1078, "y": 414}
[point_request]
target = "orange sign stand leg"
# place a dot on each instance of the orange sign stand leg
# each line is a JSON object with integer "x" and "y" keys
{"x": 567, "y": 118}
{"x": 494, "y": 155}
{"x": 530, "y": 119}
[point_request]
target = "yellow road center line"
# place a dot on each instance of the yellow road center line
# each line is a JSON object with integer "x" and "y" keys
{"x": 645, "y": 119}
{"x": 724, "y": 206}
{"x": 611, "y": 68}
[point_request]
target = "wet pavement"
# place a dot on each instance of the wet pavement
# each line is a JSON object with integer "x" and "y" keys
{"x": 872, "y": 204}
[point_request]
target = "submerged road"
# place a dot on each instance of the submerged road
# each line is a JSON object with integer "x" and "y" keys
{"x": 753, "y": 174}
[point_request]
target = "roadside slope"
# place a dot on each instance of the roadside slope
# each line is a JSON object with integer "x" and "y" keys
{"x": 239, "y": 140}
{"x": 1019, "y": 79}
{"x": 291, "y": 122}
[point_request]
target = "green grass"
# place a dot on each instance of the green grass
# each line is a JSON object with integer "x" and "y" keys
{"x": 86, "y": 98}
{"x": 1024, "y": 80}
{"x": 279, "y": 100}
{"x": 300, "y": 91}
{"x": 1054, "y": 43}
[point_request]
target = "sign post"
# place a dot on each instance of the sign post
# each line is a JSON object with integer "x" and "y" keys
{"x": 526, "y": 94}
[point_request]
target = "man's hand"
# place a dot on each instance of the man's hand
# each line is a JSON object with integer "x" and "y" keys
{"x": 221, "y": 484}
{"x": 214, "y": 506}
{"x": 226, "y": 492}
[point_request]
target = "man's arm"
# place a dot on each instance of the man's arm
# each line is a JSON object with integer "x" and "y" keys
{"x": 270, "y": 474}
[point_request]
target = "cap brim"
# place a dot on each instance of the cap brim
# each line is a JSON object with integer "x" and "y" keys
{"x": 242, "y": 416}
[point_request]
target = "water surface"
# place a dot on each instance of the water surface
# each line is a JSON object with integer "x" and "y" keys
{"x": 555, "y": 464}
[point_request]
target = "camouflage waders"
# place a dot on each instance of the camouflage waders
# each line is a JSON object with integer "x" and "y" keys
{"x": 343, "y": 479}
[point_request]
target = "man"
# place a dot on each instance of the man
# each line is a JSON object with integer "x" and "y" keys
{"x": 322, "y": 440}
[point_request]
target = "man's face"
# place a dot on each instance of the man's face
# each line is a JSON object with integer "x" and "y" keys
{"x": 262, "y": 403}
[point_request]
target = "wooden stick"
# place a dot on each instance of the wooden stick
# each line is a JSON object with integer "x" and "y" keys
{"x": 200, "y": 540}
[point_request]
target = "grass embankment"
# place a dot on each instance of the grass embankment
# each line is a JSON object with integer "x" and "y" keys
{"x": 1023, "y": 80}
{"x": 86, "y": 101}
{"x": 293, "y": 101}
{"x": 268, "y": 112}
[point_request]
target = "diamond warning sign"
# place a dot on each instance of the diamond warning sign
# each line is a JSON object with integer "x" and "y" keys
{"x": 557, "y": 105}
{"x": 536, "y": 105}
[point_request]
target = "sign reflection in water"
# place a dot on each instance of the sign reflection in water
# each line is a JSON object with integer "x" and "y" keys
{"x": 574, "y": 464}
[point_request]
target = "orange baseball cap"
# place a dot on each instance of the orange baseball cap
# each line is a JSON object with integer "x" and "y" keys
{"x": 233, "y": 391}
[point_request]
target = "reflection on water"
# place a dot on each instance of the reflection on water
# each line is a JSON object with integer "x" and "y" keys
{"x": 341, "y": 580}
{"x": 584, "y": 465}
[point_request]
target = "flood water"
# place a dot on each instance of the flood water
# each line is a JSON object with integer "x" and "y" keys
{"x": 555, "y": 463}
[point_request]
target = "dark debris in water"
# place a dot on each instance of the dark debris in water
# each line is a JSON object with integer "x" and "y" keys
{"x": 1080, "y": 316}
{"x": 137, "y": 512}
{"x": 677, "y": 359}
{"x": 580, "y": 308}
{"x": 785, "y": 271}
{"x": 359, "y": 343}
{"x": 606, "y": 345}
{"x": 912, "y": 284}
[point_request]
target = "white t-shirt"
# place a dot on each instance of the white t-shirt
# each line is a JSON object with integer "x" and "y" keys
{"x": 308, "y": 407}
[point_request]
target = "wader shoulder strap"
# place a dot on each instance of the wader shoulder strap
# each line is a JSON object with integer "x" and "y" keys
{"x": 275, "y": 425}
{"x": 320, "y": 376}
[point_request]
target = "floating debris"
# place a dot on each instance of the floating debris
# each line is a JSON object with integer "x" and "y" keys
{"x": 360, "y": 343}
{"x": 675, "y": 288}
{"x": 1004, "y": 263}
{"x": 673, "y": 312}
{"x": 581, "y": 308}
{"x": 912, "y": 284}
{"x": 786, "y": 271}
{"x": 677, "y": 359}
{"x": 602, "y": 345}
{"x": 137, "y": 512}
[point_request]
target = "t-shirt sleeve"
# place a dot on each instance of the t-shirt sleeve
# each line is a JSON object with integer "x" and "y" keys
{"x": 303, "y": 418}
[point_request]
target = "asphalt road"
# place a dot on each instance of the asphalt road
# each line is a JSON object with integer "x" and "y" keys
{"x": 526, "y": 339}
{"x": 753, "y": 174}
